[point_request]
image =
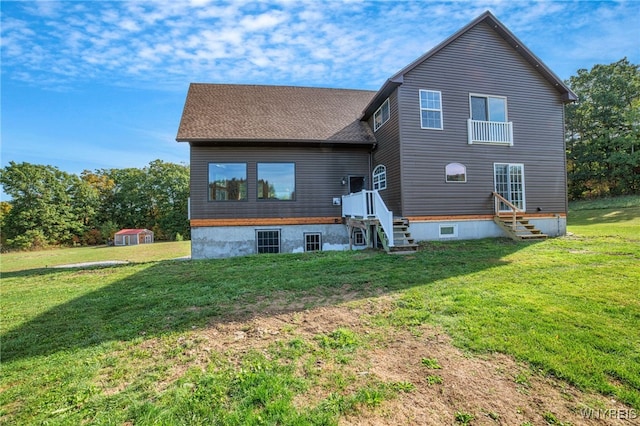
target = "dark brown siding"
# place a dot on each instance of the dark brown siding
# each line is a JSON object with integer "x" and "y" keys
{"x": 318, "y": 180}
{"x": 388, "y": 154}
{"x": 480, "y": 61}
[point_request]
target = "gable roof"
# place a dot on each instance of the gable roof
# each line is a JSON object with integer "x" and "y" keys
{"x": 132, "y": 231}
{"x": 487, "y": 17}
{"x": 231, "y": 113}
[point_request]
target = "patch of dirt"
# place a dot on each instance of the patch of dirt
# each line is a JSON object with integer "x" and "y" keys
{"x": 493, "y": 388}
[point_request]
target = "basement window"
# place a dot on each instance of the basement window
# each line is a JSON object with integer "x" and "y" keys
{"x": 268, "y": 241}
{"x": 448, "y": 231}
{"x": 313, "y": 241}
{"x": 358, "y": 237}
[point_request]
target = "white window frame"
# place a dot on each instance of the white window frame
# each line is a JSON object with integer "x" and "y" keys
{"x": 509, "y": 183}
{"x": 440, "y": 110}
{"x": 489, "y": 132}
{"x": 380, "y": 177}
{"x": 454, "y": 226}
{"x": 487, "y": 97}
{"x": 358, "y": 236}
{"x": 380, "y": 112}
{"x": 446, "y": 175}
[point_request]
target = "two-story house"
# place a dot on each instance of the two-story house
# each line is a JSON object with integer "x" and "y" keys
{"x": 465, "y": 142}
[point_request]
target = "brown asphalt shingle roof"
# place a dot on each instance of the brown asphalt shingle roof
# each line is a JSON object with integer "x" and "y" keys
{"x": 230, "y": 112}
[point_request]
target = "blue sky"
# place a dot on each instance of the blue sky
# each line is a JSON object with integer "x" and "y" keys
{"x": 101, "y": 84}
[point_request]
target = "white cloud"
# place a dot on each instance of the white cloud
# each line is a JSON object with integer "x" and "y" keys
{"x": 262, "y": 22}
{"x": 289, "y": 42}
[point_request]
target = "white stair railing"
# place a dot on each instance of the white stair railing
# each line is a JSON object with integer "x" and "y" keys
{"x": 369, "y": 205}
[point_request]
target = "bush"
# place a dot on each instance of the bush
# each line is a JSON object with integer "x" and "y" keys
{"x": 33, "y": 239}
{"x": 92, "y": 237}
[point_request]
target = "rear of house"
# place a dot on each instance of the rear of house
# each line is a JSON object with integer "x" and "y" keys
{"x": 478, "y": 114}
{"x": 465, "y": 142}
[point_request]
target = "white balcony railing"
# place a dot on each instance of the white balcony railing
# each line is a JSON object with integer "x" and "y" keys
{"x": 369, "y": 205}
{"x": 490, "y": 132}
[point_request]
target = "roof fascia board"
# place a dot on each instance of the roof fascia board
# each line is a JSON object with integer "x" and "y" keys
{"x": 278, "y": 143}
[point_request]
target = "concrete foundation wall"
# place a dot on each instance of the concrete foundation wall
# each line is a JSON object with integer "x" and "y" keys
{"x": 475, "y": 229}
{"x": 230, "y": 241}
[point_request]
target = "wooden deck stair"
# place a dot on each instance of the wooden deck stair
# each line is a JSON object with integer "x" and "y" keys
{"x": 403, "y": 242}
{"x": 522, "y": 230}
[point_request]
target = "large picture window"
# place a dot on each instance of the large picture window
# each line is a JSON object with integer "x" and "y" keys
{"x": 227, "y": 181}
{"x": 431, "y": 109}
{"x": 276, "y": 181}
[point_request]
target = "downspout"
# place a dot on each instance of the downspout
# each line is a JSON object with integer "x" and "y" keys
{"x": 370, "y": 176}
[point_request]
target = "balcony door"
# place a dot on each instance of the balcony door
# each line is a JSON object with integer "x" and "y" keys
{"x": 509, "y": 183}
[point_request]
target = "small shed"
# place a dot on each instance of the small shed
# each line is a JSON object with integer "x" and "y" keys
{"x": 133, "y": 237}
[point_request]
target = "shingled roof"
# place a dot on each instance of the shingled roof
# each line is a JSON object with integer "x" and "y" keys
{"x": 245, "y": 113}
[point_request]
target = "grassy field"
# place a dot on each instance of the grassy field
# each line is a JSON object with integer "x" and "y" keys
{"x": 138, "y": 343}
{"x": 20, "y": 261}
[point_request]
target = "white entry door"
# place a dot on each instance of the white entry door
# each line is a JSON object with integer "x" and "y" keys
{"x": 509, "y": 182}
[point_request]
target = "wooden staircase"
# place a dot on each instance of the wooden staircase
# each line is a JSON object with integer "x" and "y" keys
{"x": 519, "y": 228}
{"x": 403, "y": 242}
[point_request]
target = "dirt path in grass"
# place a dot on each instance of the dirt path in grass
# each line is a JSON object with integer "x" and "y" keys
{"x": 493, "y": 389}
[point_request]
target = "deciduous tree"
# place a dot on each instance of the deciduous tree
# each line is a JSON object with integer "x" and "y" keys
{"x": 603, "y": 131}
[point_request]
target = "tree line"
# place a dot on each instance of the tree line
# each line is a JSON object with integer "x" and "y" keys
{"x": 52, "y": 207}
{"x": 603, "y": 131}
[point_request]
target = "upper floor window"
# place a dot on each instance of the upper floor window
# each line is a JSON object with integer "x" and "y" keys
{"x": 227, "y": 181}
{"x": 488, "y": 123}
{"x": 380, "y": 177}
{"x": 276, "y": 181}
{"x": 455, "y": 172}
{"x": 430, "y": 109}
{"x": 382, "y": 115}
{"x": 488, "y": 108}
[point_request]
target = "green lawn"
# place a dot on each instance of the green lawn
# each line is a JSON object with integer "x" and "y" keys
{"x": 116, "y": 344}
{"x": 23, "y": 260}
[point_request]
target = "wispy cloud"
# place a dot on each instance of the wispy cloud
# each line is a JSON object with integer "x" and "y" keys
{"x": 355, "y": 43}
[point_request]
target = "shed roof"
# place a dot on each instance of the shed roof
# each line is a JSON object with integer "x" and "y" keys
{"x": 235, "y": 113}
{"x": 132, "y": 231}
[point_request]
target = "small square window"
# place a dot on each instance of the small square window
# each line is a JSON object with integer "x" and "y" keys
{"x": 358, "y": 237}
{"x": 268, "y": 241}
{"x": 448, "y": 231}
{"x": 455, "y": 172}
{"x": 313, "y": 241}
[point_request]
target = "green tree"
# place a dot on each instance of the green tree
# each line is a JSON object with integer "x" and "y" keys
{"x": 5, "y": 208}
{"x": 42, "y": 210}
{"x": 603, "y": 131}
{"x": 127, "y": 203}
{"x": 168, "y": 188}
